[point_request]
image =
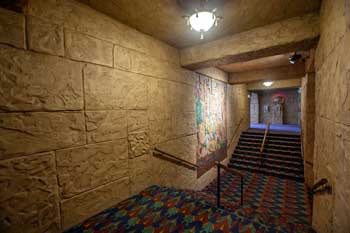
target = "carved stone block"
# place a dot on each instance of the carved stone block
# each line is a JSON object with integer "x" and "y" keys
{"x": 28, "y": 195}
{"x": 12, "y": 28}
{"x": 105, "y": 125}
{"x": 107, "y": 88}
{"x": 45, "y": 37}
{"x": 85, "y": 205}
{"x": 28, "y": 133}
{"x": 86, "y": 48}
{"x": 31, "y": 81}
{"x": 83, "y": 168}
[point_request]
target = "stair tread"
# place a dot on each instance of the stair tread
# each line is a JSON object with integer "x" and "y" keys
{"x": 281, "y": 156}
{"x": 293, "y": 157}
{"x": 270, "y": 149}
{"x": 266, "y": 159}
{"x": 267, "y": 170}
{"x": 270, "y": 144}
{"x": 272, "y": 136}
{"x": 256, "y": 163}
{"x": 272, "y": 140}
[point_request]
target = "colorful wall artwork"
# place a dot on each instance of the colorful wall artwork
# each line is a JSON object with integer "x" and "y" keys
{"x": 211, "y": 122}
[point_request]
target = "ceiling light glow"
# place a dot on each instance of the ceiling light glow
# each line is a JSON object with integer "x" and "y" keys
{"x": 267, "y": 84}
{"x": 202, "y": 21}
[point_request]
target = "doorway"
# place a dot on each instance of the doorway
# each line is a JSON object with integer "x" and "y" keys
{"x": 280, "y": 107}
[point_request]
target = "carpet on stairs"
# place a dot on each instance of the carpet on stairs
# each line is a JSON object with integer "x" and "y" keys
{"x": 266, "y": 195}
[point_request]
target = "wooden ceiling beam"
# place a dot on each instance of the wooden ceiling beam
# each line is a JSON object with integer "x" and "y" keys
{"x": 295, "y": 34}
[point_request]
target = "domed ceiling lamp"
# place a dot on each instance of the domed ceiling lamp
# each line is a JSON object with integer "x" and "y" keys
{"x": 202, "y": 19}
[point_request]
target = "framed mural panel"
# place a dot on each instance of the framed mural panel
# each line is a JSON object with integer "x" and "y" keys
{"x": 211, "y": 122}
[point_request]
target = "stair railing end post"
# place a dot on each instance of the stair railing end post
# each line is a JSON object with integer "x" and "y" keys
{"x": 218, "y": 186}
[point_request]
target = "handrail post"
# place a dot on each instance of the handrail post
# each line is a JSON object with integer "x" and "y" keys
{"x": 241, "y": 190}
{"x": 218, "y": 187}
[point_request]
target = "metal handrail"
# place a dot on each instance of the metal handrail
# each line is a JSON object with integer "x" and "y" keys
{"x": 237, "y": 127}
{"x": 321, "y": 184}
{"x": 219, "y": 166}
{"x": 175, "y": 158}
{"x": 265, "y": 136}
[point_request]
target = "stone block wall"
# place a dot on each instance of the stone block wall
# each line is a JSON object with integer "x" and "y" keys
{"x": 332, "y": 127}
{"x": 308, "y": 125}
{"x": 84, "y": 100}
{"x": 238, "y": 114}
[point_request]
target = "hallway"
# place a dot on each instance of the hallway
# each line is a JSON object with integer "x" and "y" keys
{"x": 271, "y": 204}
{"x": 276, "y": 200}
{"x": 119, "y": 116}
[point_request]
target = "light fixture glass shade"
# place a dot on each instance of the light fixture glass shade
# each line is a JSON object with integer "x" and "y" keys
{"x": 202, "y": 21}
{"x": 267, "y": 84}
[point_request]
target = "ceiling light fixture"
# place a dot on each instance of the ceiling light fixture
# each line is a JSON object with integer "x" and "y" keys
{"x": 202, "y": 19}
{"x": 268, "y": 84}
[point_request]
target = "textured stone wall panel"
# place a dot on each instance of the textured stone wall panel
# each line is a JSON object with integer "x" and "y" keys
{"x": 332, "y": 147}
{"x": 105, "y": 125}
{"x": 184, "y": 147}
{"x": 141, "y": 175}
{"x": 31, "y": 81}
{"x": 137, "y": 121}
{"x": 12, "y": 30}
{"x": 114, "y": 89}
{"x": 184, "y": 123}
{"x": 80, "y": 207}
{"x": 28, "y": 133}
{"x": 167, "y": 96}
{"x": 83, "y": 168}
{"x": 138, "y": 144}
{"x": 29, "y": 195}
{"x": 86, "y": 48}
{"x": 344, "y": 81}
{"x": 160, "y": 127}
{"x": 45, "y": 37}
{"x": 215, "y": 73}
{"x": 158, "y": 68}
{"x": 81, "y": 18}
{"x": 122, "y": 58}
{"x": 333, "y": 27}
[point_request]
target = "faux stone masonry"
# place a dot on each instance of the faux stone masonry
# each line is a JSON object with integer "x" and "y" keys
{"x": 84, "y": 99}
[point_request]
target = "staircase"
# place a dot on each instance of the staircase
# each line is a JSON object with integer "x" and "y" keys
{"x": 281, "y": 156}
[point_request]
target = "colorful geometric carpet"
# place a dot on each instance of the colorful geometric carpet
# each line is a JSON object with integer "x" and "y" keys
{"x": 268, "y": 195}
{"x": 160, "y": 209}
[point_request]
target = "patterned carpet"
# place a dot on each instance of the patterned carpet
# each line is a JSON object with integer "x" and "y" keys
{"x": 275, "y": 196}
{"x": 271, "y": 205}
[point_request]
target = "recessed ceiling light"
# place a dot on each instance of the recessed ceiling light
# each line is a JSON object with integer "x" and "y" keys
{"x": 267, "y": 84}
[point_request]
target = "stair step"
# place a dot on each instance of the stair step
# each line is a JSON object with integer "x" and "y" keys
{"x": 281, "y": 174}
{"x": 277, "y": 142}
{"x": 252, "y": 148}
{"x": 272, "y": 134}
{"x": 266, "y": 165}
{"x": 269, "y": 144}
{"x": 277, "y": 156}
{"x": 267, "y": 159}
